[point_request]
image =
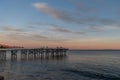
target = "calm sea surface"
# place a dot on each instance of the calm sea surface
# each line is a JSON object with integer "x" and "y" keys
{"x": 77, "y": 65}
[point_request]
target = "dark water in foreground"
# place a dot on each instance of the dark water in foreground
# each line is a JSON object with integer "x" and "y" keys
{"x": 78, "y": 65}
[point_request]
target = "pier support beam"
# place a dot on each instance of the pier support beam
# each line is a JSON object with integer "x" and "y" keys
{"x": 24, "y": 54}
{"x": 14, "y": 54}
{"x": 2, "y": 55}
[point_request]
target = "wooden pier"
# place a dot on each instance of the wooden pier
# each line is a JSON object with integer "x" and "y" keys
{"x": 33, "y": 53}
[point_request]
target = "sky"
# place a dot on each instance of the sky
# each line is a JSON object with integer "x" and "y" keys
{"x": 74, "y": 24}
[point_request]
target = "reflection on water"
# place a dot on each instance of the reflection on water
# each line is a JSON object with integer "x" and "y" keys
{"x": 78, "y": 65}
{"x": 39, "y": 58}
{"x": 25, "y": 68}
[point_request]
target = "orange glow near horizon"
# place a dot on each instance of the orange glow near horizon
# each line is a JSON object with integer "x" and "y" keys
{"x": 77, "y": 44}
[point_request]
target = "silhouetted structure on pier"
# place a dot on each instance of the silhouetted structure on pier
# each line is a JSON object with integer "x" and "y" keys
{"x": 33, "y": 53}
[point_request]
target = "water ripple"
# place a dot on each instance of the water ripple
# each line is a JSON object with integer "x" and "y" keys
{"x": 92, "y": 75}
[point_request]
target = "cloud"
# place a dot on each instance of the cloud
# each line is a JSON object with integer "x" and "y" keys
{"x": 13, "y": 29}
{"x": 81, "y": 7}
{"x": 31, "y": 36}
{"x": 65, "y": 15}
{"x": 82, "y": 14}
{"x": 95, "y": 29}
{"x": 39, "y": 36}
{"x": 19, "y": 34}
{"x": 55, "y": 28}
{"x": 26, "y": 36}
{"x": 103, "y": 28}
{"x": 55, "y": 13}
{"x": 46, "y": 9}
{"x": 80, "y": 32}
{"x": 59, "y": 29}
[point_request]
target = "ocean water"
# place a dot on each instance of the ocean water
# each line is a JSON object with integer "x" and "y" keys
{"x": 77, "y": 65}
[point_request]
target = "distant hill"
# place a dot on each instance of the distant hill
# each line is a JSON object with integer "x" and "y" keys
{"x": 4, "y": 46}
{"x": 7, "y": 46}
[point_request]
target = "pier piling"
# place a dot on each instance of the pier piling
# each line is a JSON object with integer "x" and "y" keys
{"x": 34, "y": 53}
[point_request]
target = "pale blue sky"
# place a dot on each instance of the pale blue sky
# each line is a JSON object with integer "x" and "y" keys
{"x": 59, "y": 20}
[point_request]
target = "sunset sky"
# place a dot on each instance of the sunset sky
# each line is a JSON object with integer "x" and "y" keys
{"x": 75, "y": 24}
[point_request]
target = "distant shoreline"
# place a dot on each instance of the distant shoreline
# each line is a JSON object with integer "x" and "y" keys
{"x": 94, "y": 49}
